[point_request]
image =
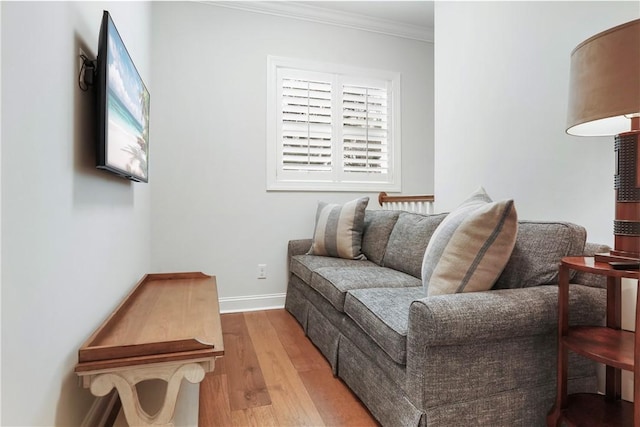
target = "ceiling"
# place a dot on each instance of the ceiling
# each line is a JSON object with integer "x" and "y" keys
{"x": 410, "y": 19}
{"x": 416, "y": 13}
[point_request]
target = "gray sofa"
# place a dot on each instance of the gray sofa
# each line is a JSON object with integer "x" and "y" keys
{"x": 479, "y": 358}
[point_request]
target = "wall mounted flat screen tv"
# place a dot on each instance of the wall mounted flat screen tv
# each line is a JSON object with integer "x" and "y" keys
{"x": 123, "y": 108}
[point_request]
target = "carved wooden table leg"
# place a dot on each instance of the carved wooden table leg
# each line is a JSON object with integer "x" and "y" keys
{"x": 125, "y": 381}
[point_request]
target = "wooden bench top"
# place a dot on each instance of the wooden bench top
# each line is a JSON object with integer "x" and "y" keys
{"x": 165, "y": 318}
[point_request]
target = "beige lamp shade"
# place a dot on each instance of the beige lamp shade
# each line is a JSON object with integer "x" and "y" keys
{"x": 605, "y": 82}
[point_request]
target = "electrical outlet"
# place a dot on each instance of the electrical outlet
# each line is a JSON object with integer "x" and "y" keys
{"x": 262, "y": 271}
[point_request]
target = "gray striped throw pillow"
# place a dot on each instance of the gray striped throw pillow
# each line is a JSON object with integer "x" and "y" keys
{"x": 338, "y": 231}
{"x": 471, "y": 246}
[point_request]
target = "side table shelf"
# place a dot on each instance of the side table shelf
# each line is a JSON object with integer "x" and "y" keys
{"x": 610, "y": 345}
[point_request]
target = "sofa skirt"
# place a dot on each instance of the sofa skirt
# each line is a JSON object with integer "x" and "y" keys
{"x": 296, "y": 302}
{"x": 386, "y": 402}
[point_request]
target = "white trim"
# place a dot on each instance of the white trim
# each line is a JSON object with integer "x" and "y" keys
{"x": 353, "y": 187}
{"x": 274, "y": 62}
{"x": 252, "y": 303}
{"x": 295, "y": 10}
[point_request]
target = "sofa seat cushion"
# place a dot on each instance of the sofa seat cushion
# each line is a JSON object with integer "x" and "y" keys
{"x": 333, "y": 283}
{"x": 539, "y": 247}
{"x": 383, "y": 314}
{"x": 303, "y": 266}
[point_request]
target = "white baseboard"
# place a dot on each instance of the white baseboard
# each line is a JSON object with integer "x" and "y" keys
{"x": 252, "y": 303}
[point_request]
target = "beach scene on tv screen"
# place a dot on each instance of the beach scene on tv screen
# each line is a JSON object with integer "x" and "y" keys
{"x": 128, "y": 111}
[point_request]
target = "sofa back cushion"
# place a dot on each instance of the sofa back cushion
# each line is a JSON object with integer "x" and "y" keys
{"x": 537, "y": 253}
{"x": 408, "y": 241}
{"x": 378, "y": 225}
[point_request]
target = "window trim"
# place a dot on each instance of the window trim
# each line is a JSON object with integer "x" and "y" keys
{"x": 348, "y": 73}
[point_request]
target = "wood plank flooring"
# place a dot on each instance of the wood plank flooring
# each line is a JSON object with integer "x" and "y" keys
{"x": 272, "y": 375}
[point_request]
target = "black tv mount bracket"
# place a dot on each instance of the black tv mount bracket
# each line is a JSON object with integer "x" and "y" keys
{"x": 87, "y": 72}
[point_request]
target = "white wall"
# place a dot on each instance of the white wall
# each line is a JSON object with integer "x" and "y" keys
{"x": 501, "y": 86}
{"x": 74, "y": 239}
{"x": 210, "y": 209}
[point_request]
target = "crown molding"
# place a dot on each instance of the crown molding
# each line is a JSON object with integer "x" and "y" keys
{"x": 305, "y": 12}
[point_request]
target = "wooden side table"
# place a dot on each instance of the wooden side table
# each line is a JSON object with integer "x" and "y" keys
{"x": 610, "y": 345}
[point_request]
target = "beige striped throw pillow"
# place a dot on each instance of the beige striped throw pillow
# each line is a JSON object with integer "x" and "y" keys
{"x": 338, "y": 231}
{"x": 470, "y": 247}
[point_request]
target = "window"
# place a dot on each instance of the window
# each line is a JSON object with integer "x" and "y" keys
{"x": 332, "y": 128}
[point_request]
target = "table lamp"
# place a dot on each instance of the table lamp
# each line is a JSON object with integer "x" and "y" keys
{"x": 604, "y": 99}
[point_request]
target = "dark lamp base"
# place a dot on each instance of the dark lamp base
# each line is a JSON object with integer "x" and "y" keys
{"x": 626, "y": 226}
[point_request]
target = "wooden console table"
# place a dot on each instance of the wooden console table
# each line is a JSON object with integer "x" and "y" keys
{"x": 167, "y": 328}
{"x": 609, "y": 344}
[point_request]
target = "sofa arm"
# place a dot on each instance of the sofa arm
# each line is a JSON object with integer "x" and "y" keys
{"x": 465, "y": 347}
{"x": 298, "y": 247}
{"x": 586, "y": 278}
{"x": 479, "y": 316}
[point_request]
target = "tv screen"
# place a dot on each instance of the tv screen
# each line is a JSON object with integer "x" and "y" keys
{"x": 123, "y": 109}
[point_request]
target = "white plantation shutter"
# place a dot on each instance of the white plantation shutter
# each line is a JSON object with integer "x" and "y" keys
{"x": 364, "y": 129}
{"x": 331, "y": 128}
{"x": 306, "y": 125}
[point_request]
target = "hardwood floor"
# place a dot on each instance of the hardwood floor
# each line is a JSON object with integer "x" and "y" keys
{"x": 272, "y": 375}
